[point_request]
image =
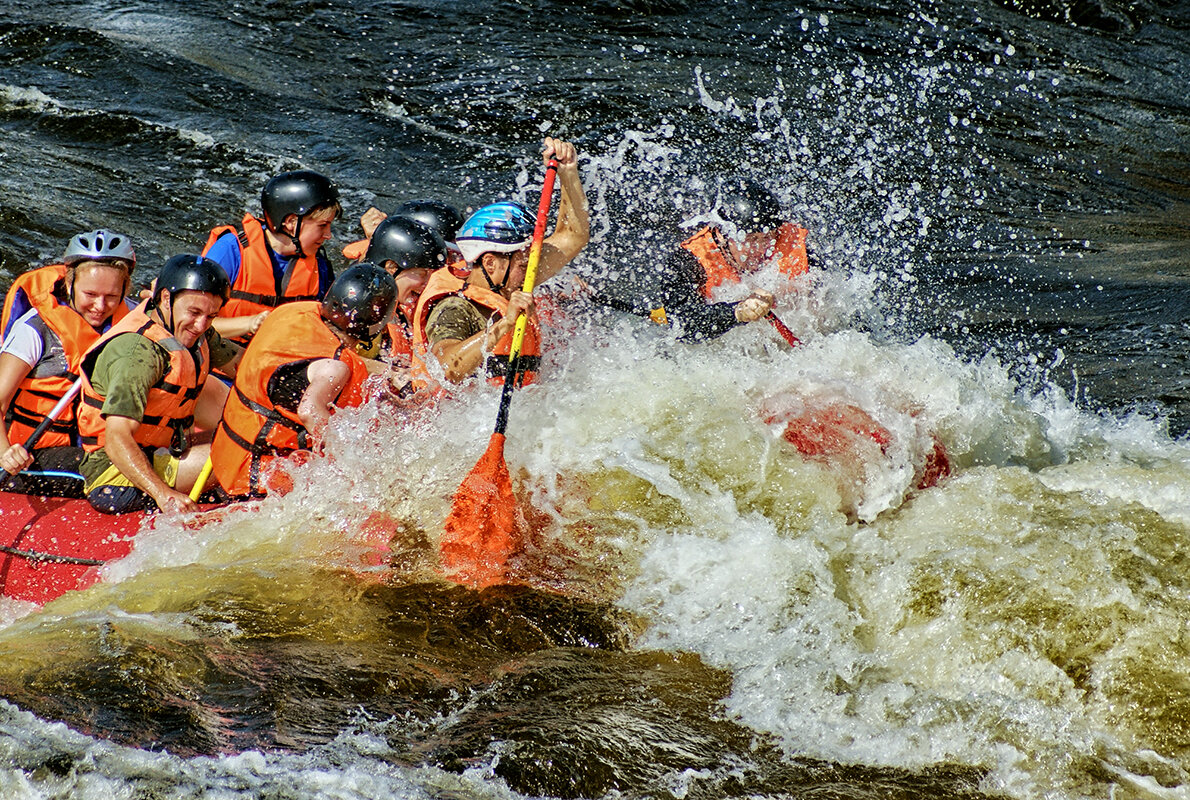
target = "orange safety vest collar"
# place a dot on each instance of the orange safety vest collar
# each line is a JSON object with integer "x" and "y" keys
{"x": 443, "y": 284}
{"x": 61, "y": 325}
{"x": 720, "y": 267}
{"x": 400, "y": 336}
{"x": 169, "y": 407}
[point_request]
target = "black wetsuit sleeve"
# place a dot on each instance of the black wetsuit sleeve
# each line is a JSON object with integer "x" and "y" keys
{"x": 678, "y": 291}
{"x": 288, "y": 384}
{"x": 611, "y": 301}
{"x": 684, "y": 302}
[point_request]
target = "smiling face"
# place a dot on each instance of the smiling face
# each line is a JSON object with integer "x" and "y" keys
{"x": 191, "y": 314}
{"x": 97, "y": 288}
{"x": 410, "y": 284}
{"x": 315, "y": 232}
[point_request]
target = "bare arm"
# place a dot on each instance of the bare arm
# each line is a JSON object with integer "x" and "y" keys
{"x": 127, "y": 456}
{"x": 460, "y": 358}
{"x": 234, "y": 327}
{"x": 327, "y": 378}
{"x": 13, "y": 457}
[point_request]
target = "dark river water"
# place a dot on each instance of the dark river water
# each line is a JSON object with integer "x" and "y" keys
{"x": 998, "y": 195}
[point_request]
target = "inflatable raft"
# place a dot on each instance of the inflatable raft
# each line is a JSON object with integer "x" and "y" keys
{"x": 51, "y": 545}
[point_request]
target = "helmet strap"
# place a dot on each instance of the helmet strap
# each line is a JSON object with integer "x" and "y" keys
{"x": 160, "y": 308}
{"x": 297, "y": 231}
{"x": 497, "y": 289}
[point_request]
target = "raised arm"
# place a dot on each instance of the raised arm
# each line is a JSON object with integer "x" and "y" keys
{"x": 573, "y": 229}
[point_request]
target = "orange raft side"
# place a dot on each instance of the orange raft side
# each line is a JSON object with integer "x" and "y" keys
{"x": 52, "y": 545}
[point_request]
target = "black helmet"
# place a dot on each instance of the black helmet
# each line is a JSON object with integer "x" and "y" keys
{"x": 360, "y": 300}
{"x": 298, "y": 192}
{"x": 748, "y": 206}
{"x": 407, "y": 242}
{"x": 192, "y": 273}
{"x": 442, "y": 217}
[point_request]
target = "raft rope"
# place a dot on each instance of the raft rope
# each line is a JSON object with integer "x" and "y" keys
{"x": 50, "y": 558}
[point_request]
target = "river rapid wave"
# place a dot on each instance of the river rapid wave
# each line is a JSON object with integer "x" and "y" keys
{"x": 999, "y": 206}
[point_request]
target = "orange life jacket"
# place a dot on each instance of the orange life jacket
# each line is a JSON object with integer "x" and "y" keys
{"x": 169, "y": 407}
{"x": 442, "y": 284}
{"x": 400, "y": 336}
{"x": 254, "y": 431}
{"x": 67, "y": 337}
{"x": 257, "y": 287}
{"x": 720, "y": 268}
{"x": 356, "y": 250}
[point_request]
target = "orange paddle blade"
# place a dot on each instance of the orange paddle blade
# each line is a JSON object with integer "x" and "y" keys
{"x": 482, "y": 530}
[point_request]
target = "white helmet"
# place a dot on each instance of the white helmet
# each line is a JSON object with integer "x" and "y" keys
{"x": 98, "y": 245}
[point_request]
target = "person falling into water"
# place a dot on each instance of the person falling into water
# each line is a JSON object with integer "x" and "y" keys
{"x": 467, "y": 324}
{"x": 750, "y": 234}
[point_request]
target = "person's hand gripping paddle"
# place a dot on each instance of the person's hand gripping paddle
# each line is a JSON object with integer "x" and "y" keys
{"x": 45, "y": 424}
{"x": 481, "y": 531}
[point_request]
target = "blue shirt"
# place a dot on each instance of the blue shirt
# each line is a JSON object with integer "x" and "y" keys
{"x": 226, "y": 251}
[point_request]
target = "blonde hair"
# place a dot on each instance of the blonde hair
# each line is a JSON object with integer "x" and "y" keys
{"x": 122, "y": 264}
{"x": 334, "y": 210}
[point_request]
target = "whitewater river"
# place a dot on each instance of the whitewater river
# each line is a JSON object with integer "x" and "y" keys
{"x": 998, "y": 196}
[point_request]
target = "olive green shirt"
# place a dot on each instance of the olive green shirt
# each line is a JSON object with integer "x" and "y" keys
{"x": 454, "y": 317}
{"x": 124, "y": 372}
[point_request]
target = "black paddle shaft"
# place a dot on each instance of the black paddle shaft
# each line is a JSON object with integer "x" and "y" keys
{"x": 30, "y": 443}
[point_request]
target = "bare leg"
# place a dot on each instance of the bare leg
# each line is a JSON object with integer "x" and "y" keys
{"x": 209, "y": 409}
{"x": 190, "y": 465}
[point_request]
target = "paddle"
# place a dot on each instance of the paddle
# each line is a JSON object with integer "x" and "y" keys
{"x": 200, "y": 482}
{"x": 480, "y": 532}
{"x": 782, "y": 329}
{"x": 45, "y": 424}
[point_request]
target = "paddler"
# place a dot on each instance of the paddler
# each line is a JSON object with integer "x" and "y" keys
{"x": 145, "y": 390}
{"x": 300, "y": 366}
{"x": 278, "y": 259}
{"x": 437, "y": 215}
{"x": 465, "y": 323}
{"x": 51, "y": 316}
{"x": 411, "y": 252}
{"x": 748, "y": 233}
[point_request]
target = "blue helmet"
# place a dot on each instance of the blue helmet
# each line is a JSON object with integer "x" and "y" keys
{"x": 499, "y": 228}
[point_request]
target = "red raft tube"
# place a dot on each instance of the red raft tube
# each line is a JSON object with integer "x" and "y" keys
{"x": 52, "y": 545}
